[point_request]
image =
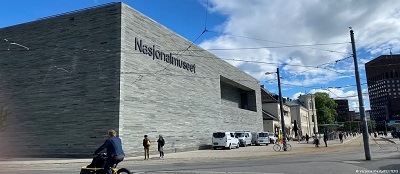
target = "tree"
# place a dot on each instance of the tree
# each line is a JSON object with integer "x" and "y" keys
{"x": 352, "y": 126}
{"x": 371, "y": 125}
{"x": 3, "y": 116}
{"x": 326, "y": 108}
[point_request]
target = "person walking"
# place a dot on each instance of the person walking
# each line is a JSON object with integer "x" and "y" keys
{"x": 161, "y": 143}
{"x": 146, "y": 146}
{"x": 325, "y": 139}
{"x": 341, "y": 137}
{"x": 307, "y": 137}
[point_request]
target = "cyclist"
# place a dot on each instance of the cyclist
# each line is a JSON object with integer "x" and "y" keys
{"x": 115, "y": 154}
{"x": 280, "y": 138}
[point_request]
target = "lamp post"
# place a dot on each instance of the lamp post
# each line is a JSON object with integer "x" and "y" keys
{"x": 281, "y": 108}
{"x": 360, "y": 100}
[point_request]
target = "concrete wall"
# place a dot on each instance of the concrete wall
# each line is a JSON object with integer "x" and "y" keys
{"x": 274, "y": 109}
{"x": 269, "y": 126}
{"x": 301, "y": 114}
{"x": 61, "y": 97}
{"x": 309, "y": 102}
{"x": 160, "y": 98}
{"x": 82, "y": 76}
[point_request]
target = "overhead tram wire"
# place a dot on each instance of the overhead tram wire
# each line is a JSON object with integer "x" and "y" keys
{"x": 328, "y": 63}
{"x": 261, "y": 62}
{"x": 311, "y": 87}
{"x": 205, "y": 21}
{"x": 332, "y": 51}
{"x": 204, "y": 31}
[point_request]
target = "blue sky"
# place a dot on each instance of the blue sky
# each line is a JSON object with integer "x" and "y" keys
{"x": 258, "y": 36}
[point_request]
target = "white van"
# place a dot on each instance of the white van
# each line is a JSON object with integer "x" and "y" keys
{"x": 260, "y": 138}
{"x": 224, "y": 140}
{"x": 244, "y": 138}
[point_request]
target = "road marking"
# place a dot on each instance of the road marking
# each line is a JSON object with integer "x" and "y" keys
{"x": 351, "y": 162}
{"x": 207, "y": 172}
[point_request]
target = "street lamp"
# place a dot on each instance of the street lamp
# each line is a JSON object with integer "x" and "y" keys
{"x": 281, "y": 107}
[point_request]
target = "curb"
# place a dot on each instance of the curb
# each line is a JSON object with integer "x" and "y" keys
{"x": 387, "y": 139}
{"x": 88, "y": 161}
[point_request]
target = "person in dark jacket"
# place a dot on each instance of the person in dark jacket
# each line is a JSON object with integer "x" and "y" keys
{"x": 341, "y": 137}
{"x": 326, "y": 139}
{"x": 161, "y": 143}
{"x": 307, "y": 137}
{"x": 115, "y": 154}
{"x": 146, "y": 146}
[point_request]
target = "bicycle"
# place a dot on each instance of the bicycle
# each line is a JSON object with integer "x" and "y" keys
{"x": 277, "y": 146}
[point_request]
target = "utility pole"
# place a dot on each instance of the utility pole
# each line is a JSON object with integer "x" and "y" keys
{"x": 281, "y": 106}
{"x": 360, "y": 100}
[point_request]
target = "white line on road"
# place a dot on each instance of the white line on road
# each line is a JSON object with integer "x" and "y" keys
{"x": 209, "y": 172}
{"x": 351, "y": 162}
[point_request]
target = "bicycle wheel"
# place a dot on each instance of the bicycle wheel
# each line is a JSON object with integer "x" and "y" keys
{"x": 123, "y": 171}
{"x": 288, "y": 147}
{"x": 277, "y": 147}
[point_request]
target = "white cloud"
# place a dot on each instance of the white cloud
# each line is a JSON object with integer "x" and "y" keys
{"x": 351, "y": 96}
{"x": 375, "y": 24}
{"x": 296, "y": 96}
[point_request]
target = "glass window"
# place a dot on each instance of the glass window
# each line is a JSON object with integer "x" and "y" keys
{"x": 219, "y": 135}
{"x": 263, "y": 134}
{"x": 239, "y": 134}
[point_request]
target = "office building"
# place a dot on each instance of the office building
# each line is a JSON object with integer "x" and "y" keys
{"x": 383, "y": 78}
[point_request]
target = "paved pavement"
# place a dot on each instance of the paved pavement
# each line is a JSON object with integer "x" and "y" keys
{"x": 249, "y": 152}
{"x": 304, "y": 158}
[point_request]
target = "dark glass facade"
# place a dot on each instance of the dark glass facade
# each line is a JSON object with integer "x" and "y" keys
{"x": 383, "y": 78}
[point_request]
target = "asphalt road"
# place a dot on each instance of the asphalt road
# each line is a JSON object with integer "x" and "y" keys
{"x": 345, "y": 159}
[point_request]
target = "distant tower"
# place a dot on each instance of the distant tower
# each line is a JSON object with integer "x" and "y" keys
{"x": 308, "y": 101}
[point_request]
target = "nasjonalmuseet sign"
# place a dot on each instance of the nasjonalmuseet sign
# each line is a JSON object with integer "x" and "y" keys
{"x": 153, "y": 52}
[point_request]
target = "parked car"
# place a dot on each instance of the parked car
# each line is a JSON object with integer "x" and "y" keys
{"x": 224, "y": 140}
{"x": 259, "y": 138}
{"x": 273, "y": 139}
{"x": 244, "y": 138}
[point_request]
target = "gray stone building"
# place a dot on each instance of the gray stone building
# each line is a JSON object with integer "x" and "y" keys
{"x": 66, "y": 79}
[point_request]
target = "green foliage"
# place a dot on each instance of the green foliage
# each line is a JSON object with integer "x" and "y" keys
{"x": 326, "y": 108}
{"x": 3, "y": 116}
{"x": 371, "y": 125}
{"x": 352, "y": 126}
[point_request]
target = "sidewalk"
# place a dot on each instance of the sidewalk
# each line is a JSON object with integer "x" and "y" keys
{"x": 241, "y": 153}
